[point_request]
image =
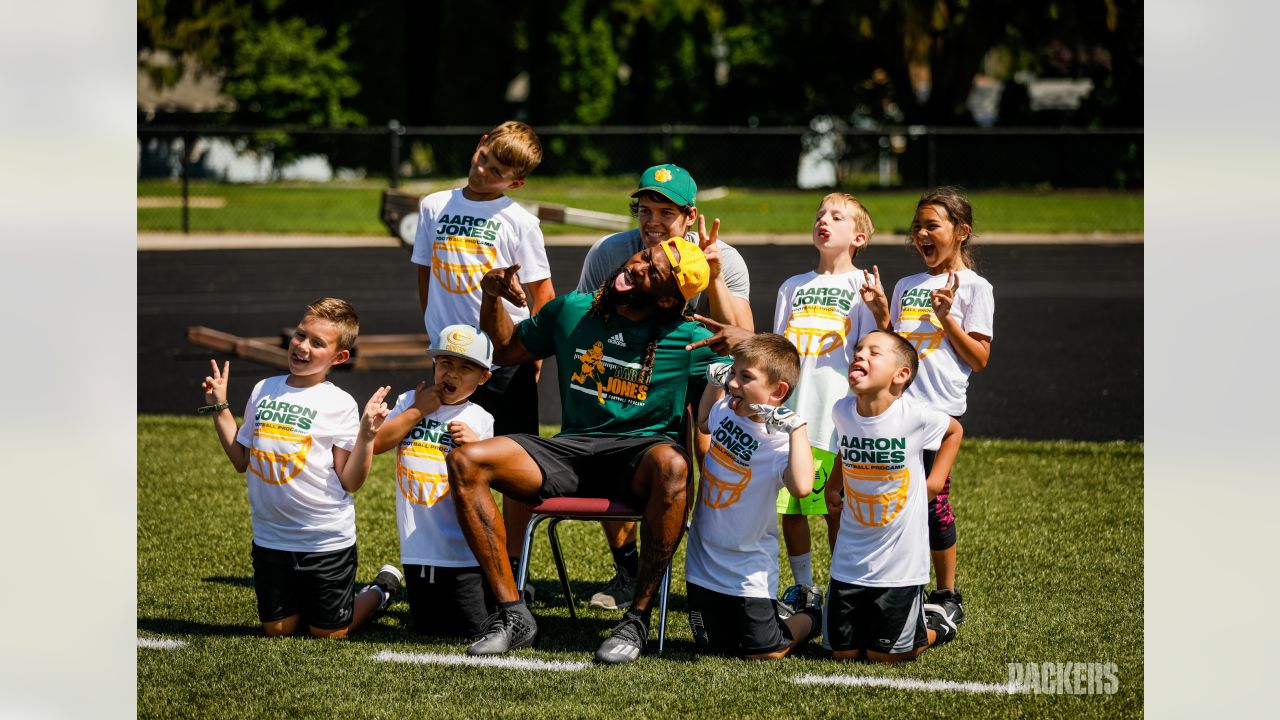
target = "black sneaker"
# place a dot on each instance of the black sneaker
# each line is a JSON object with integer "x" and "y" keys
{"x": 936, "y": 619}
{"x": 505, "y": 630}
{"x": 625, "y": 643}
{"x": 949, "y": 601}
{"x": 617, "y": 594}
{"x": 388, "y": 581}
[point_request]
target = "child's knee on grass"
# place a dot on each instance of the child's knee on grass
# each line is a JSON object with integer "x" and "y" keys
{"x": 282, "y": 627}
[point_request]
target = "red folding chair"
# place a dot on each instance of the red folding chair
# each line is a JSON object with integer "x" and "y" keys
{"x": 557, "y": 510}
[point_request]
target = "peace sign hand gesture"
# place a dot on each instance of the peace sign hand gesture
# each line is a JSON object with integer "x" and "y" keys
{"x": 873, "y": 296}
{"x": 215, "y": 385}
{"x": 726, "y": 337}
{"x": 375, "y": 412}
{"x": 942, "y": 298}
{"x": 708, "y": 244}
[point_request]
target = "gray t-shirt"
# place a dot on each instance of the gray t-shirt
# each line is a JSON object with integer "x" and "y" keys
{"x": 611, "y": 251}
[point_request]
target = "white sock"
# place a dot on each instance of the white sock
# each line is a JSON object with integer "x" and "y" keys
{"x": 801, "y": 568}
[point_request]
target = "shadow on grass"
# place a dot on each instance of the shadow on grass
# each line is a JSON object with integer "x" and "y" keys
{"x": 246, "y": 582}
{"x": 171, "y": 626}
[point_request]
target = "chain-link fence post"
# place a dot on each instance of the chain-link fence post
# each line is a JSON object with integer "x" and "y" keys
{"x": 395, "y": 130}
{"x": 186, "y": 174}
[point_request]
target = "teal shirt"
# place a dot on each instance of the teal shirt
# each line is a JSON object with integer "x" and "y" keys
{"x": 603, "y": 387}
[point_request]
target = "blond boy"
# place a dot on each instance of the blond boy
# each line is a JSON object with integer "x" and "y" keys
{"x": 304, "y": 451}
{"x": 821, "y": 313}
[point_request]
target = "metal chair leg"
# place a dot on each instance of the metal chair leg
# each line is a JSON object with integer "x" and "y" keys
{"x": 525, "y": 551}
{"x": 560, "y": 568}
{"x": 662, "y": 609}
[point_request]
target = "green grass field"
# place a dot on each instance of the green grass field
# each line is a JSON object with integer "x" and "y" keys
{"x": 1050, "y": 560}
{"x": 352, "y": 208}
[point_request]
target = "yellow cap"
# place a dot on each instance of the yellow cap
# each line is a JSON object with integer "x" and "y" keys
{"x": 688, "y": 266}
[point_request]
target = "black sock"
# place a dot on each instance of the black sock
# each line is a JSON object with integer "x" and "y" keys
{"x": 643, "y": 616}
{"x": 627, "y": 557}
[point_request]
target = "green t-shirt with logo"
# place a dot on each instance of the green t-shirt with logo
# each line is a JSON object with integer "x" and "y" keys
{"x": 604, "y": 389}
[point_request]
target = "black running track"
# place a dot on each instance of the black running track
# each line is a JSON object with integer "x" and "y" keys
{"x": 1066, "y": 360}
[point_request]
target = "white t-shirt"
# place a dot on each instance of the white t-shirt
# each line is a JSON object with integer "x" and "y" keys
{"x": 461, "y": 240}
{"x": 296, "y": 498}
{"x": 824, "y": 317}
{"x": 943, "y": 379}
{"x": 429, "y": 531}
{"x": 884, "y": 527}
{"x": 733, "y": 541}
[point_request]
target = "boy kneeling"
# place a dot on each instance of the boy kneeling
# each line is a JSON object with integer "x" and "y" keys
{"x": 880, "y": 563}
{"x": 757, "y": 447}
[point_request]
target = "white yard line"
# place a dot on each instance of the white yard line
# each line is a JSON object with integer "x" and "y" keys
{"x": 906, "y": 684}
{"x": 471, "y": 661}
{"x": 160, "y": 643}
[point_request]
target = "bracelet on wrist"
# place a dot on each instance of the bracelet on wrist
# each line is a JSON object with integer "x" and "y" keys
{"x": 219, "y": 407}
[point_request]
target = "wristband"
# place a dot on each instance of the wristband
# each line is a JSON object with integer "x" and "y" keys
{"x": 213, "y": 408}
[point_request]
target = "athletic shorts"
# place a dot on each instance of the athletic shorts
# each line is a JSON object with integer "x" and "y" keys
{"x": 320, "y": 586}
{"x": 588, "y": 466}
{"x": 448, "y": 601}
{"x": 886, "y": 620}
{"x": 736, "y": 626}
{"x": 511, "y": 397}
{"x": 814, "y": 503}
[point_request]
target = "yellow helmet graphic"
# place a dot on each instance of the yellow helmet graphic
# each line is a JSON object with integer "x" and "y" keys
{"x": 423, "y": 488}
{"x": 817, "y": 330}
{"x": 278, "y": 454}
{"x": 458, "y": 263}
{"x": 723, "y": 478}
{"x": 876, "y": 509}
{"x": 925, "y": 341}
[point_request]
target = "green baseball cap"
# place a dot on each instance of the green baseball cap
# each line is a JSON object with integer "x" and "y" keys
{"x": 672, "y": 182}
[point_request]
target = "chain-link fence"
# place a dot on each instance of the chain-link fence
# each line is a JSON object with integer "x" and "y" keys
{"x": 823, "y": 156}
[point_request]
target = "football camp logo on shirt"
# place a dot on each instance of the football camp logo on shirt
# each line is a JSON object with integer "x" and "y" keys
{"x": 728, "y": 465}
{"x": 424, "y": 447}
{"x": 613, "y": 379}
{"x": 463, "y": 251}
{"x": 278, "y": 452}
{"x": 876, "y": 479}
{"x": 819, "y": 321}
{"x": 917, "y": 308}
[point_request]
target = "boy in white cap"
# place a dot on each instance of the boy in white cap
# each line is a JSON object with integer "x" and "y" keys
{"x": 447, "y": 593}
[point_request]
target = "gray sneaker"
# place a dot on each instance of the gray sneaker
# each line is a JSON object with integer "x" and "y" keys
{"x": 505, "y": 630}
{"x": 625, "y": 643}
{"x": 617, "y": 594}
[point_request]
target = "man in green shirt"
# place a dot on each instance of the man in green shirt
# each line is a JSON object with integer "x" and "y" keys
{"x": 624, "y": 370}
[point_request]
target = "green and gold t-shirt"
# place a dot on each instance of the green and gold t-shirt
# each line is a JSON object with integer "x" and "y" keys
{"x": 604, "y": 389}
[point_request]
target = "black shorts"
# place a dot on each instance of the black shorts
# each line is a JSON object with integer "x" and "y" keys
{"x": 448, "y": 601}
{"x": 886, "y": 620}
{"x": 320, "y": 586}
{"x": 588, "y": 466}
{"x": 738, "y": 626}
{"x": 511, "y": 397}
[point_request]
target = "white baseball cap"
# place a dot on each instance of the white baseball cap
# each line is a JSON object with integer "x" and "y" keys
{"x": 464, "y": 341}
